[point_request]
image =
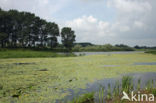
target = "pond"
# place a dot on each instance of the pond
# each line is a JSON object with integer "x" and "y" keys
{"x": 145, "y": 63}
{"x": 107, "y": 53}
{"x": 94, "y": 87}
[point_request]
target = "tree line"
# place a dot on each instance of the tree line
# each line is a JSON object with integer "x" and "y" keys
{"x": 24, "y": 29}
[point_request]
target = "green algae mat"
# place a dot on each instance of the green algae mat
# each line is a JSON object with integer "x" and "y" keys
{"x": 44, "y": 80}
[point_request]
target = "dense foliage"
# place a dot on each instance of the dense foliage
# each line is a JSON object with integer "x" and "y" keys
{"x": 106, "y": 47}
{"x": 24, "y": 29}
{"x": 68, "y": 37}
{"x": 144, "y": 47}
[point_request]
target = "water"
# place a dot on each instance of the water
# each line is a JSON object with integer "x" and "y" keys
{"x": 107, "y": 53}
{"x": 111, "y": 65}
{"x": 144, "y": 77}
{"x": 138, "y": 63}
{"x": 145, "y": 63}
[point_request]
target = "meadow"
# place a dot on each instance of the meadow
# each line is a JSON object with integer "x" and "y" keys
{"x": 30, "y": 53}
{"x": 45, "y": 80}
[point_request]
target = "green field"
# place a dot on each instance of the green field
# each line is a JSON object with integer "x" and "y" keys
{"x": 42, "y": 80}
{"x": 26, "y": 53}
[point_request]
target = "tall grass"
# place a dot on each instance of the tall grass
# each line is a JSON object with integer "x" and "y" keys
{"x": 115, "y": 95}
{"x": 101, "y": 94}
{"x": 109, "y": 92}
{"x": 116, "y": 89}
{"x": 127, "y": 84}
{"x": 86, "y": 98}
{"x": 23, "y": 53}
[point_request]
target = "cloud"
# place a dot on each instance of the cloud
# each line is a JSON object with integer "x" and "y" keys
{"x": 138, "y": 15}
{"x": 131, "y": 21}
{"x": 129, "y": 6}
{"x": 43, "y": 8}
{"x": 134, "y": 24}
{"x": 89, "y": 28}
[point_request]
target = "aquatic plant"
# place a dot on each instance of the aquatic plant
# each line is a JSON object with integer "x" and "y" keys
{"x": 139, "y": 84}
{"x": 152, "y": 83}
{"x": 1, "y": 87}
{"x": 85, "y": 98}
{"x": 154, "y": 91}
{"x": 101, "y": 93}
{"x": 48, "y": 84}
{"x": 148, "y": 85}
{"x": 109, "y": 92}
{"x": 116, "y": 90}
{"x": 127, "y": 84}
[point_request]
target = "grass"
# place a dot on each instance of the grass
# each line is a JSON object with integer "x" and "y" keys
{"x": 126, "y": 84}
{"x": 25, "y": 53}
{"x": 101, "y": 93}
{"x": 154, "y": 92}
{"x": 151, "y": 52}
{"x": 47, "y": 79}
{"x": 86, "y": 98}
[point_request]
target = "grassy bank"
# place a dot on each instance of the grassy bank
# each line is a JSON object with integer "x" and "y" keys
{"x": 44, "y": 80}
{"x": 28, "y": 53}
{"x": 151, "y": 52}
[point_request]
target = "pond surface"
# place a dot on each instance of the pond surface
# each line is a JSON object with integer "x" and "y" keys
{"x": 94, "y": 87}
{"x": 107, "y": 53}
{"x": 145, "y": 63}
{"x": 138, "y": 63}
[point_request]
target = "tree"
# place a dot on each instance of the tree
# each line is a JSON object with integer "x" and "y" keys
{"x": 13, "y": 26}
{"x": 5, "y": 24}
{"x": 53, "y": 32}
{"x": 3, "y": 37}
{"x": 24, "y": 29}
{"x": 68, "y": 37}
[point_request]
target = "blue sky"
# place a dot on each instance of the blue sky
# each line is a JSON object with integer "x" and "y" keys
{"x": 77, "y": 8}
{"x": 130, "y": 22}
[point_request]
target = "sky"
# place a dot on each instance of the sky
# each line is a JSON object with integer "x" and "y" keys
{"x": 130, "y": 22}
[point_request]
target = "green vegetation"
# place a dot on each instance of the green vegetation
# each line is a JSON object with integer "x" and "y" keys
{"x": 101, "y": 93}
{"x": 25, "y": 29}
{"x": 151, "y": 52}
{"x": 47, "y": 79}
{"x": 25, "y": 53}
{"x": 126, "y": 86}
{"x": 84, "y": 44}
{"x": 106, "y": 47}
{"x": 144, "y": 47}
{"x": 86, "y": 98}
{"x": 154, "y": 91}
{"x": 68, "y": 37}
